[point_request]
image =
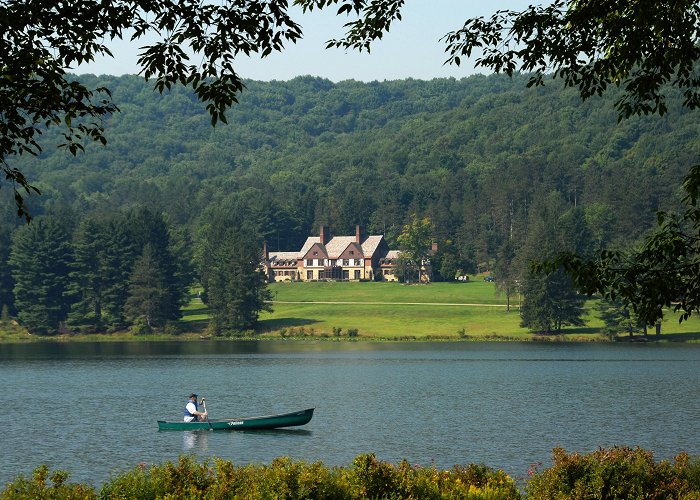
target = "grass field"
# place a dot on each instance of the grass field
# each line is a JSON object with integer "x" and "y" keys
{"x": 453, "y": 311}
{"x": 437, "y": 310}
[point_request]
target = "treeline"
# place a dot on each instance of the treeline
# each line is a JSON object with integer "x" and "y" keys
{"x": 503, "y": 172}
{"x": 125, "y": 270}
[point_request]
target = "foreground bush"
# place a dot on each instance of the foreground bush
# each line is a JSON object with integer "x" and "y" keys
{"x": 43, "y": 485}
{"x": 605, "y": 474}
{"x": 624, "y": 473}
{"x": 367, "y": 478}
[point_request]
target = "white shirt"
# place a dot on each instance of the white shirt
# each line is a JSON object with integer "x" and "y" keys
{"x": 190, "y": 407}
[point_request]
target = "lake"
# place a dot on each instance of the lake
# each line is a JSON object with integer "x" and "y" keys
{"x": 91, "y": 409}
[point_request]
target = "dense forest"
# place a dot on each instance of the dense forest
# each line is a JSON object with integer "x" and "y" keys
{"x": 504, "y": 173}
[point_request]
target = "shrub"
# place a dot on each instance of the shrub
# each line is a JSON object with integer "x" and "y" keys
{"x": 141, "y": 329}
{"x": 614, "y": 473}
{"x": 352, "y": 332}
{"x": 283, "y": 478}
{"x": 607, "y": 474}
{"x": 37, "y": 487}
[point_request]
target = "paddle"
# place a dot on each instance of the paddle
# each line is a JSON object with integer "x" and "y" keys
{"x": 204, "y": 405}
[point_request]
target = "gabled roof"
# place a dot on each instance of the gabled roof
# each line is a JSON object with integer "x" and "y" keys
{"x": 393, "y": 254}
{"x": 284, "y": 256}
{"x": 337, "y": 244}
{"x": 370, "y": 245}
{"x": 308, "y": 244}
{"x": 320, "y": 253}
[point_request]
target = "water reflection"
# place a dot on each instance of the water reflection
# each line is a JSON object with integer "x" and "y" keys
{"x": 83, "y": 350}
{"x": 195, "y": 441}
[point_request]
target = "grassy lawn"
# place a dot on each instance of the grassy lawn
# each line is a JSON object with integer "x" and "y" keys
{"x": 395, "y": 321}
{"x": 470, "y": 310}
{"x": 471, "y": 292}
{"x": 392, "y": 310}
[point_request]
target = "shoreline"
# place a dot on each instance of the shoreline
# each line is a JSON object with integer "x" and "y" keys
{"x": 267, "y": 337}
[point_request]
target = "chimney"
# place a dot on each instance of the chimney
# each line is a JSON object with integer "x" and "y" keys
{"x": 325, "y": 235}
{"x": 359, "y": 233}
{"x": 434, "y": 247}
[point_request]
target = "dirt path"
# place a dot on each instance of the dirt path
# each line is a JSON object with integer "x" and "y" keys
{"x": 391, "y": 303}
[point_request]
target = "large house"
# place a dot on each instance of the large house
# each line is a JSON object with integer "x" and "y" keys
{"x": 326, "y": 257}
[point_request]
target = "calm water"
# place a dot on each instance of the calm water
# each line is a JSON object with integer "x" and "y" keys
{"x": 91, "y": 409}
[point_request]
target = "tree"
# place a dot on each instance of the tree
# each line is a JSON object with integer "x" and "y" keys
{"x": 617, "y": 318}
{"x": 550, "y": 302}
{"x": 228, "y": 259}
{"x": 41, "y": 260}
{"x": 6, "y": 281}
{"x": 147, "y": 227}
{"x": 415, "y": 244}
{"x": 41, "y": 39}
{"x": 87, "y": 278}
{"x": 506, "y": 272}
{"x": 148, "y": 302}
{"x": 117, "y": 264}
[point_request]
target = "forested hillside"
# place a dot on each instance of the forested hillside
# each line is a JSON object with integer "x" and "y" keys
{"x": 503, "y": 172}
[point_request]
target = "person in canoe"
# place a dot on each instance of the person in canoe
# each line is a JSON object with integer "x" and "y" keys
{"x": 192, "y": 413}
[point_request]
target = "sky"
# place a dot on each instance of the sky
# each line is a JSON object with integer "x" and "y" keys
{"x": 412, "y": 49}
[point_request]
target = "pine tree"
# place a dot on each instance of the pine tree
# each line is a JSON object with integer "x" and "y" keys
{"x": 148, "y": 301}
{"x": 41, "y": 260}
{"x": 6, "y": 281}
{"x": 506, "y": 272}
{"x": 87, "y": 280}
{"x": 228, "y": 260}
{"x": 116, "y": 266}
{"x": 147, "y": 227}
{"x": 551, "y": 303}
{"x": 617, "y": 318}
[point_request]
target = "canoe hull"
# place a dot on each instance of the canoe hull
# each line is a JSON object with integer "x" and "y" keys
{"x": 242, "y": 424}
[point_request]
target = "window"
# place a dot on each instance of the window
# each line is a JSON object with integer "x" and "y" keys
{"x": 309, "y": 262}
{"x": 346, "y": 262}
{"x": 309, "y": 275}
{"x": 358, "y": 262}
{"x": 357, "y": 274}
{"x": 352, "y": 252}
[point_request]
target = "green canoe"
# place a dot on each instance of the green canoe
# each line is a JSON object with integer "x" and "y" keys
{"x": 242, "y": 424}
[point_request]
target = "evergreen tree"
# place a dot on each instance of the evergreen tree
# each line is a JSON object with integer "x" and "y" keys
{"x": 148, "y": 302}
{"x": 41, "y": 260}
{"x": 117, "y": 264}
{"x": 228, "y": 259}
{"x": 87, "y": 280}
{"x": 6, "y": 281}
{"x": 617, "y": 317}
{"x": 148, "y": 227}
{"x": 506, "y": 273}
{"x": 551, "y": 302}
